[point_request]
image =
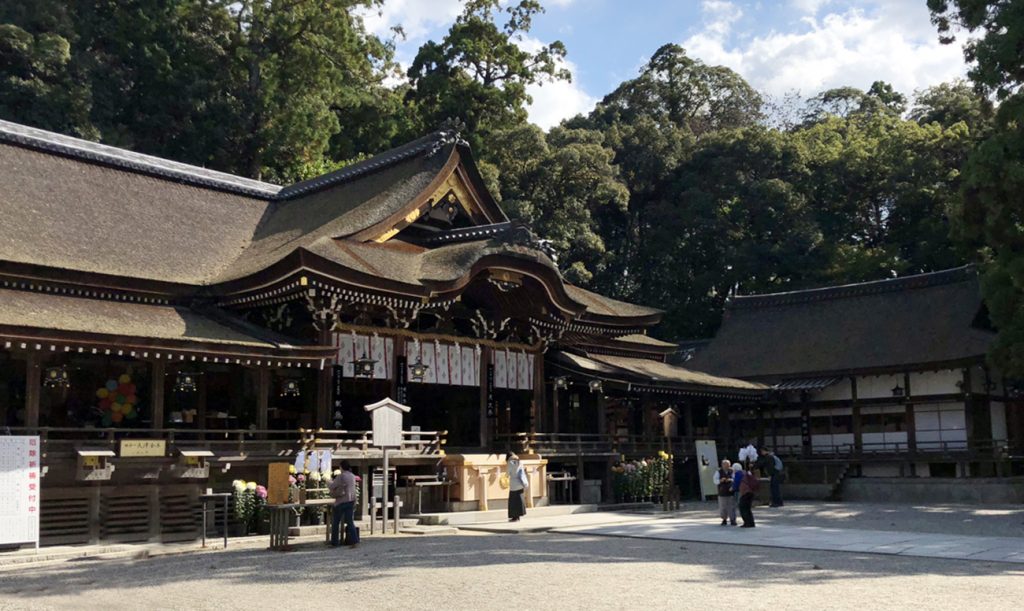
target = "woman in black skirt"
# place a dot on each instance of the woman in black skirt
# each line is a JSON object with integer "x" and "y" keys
{"x": 517, "y": 485}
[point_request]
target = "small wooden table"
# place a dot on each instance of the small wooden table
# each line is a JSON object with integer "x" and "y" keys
{"x": 214, "y": 497}
{"x": 280, "y": 522}
{"x": 429, "y": 481}
{"x": 565, "y": 478}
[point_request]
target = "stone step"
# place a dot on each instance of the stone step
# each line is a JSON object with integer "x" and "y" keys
{"x": 423, "y": 529}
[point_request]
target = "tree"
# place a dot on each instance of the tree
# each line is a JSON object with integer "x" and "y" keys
{"x": 733, "y": 218}
{"x": 565, "y": 186}
{"x": 478, "y": 73}
{"x": 992, "y": 211}
{"x": 676, "y": 89}
{"x": 844, "y": 102}
{"x": 37, "y": 84}
{"x": 253, "y": 87}
{"x": 951, "y": 103}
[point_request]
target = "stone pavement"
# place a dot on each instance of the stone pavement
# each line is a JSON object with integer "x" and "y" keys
{"x": 927, "y": 545}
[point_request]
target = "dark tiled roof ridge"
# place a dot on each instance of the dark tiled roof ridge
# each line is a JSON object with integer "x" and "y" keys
{"x": 93, "y": 152}
{"x": 429, "y": 144}
{"x": 873, "y": 287}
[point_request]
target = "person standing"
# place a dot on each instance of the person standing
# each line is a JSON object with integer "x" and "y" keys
{"x": 747, "y": 489}
{"x": 726, "y": 498}
{"x": 774, "y": 466}
{"x": 517, "y": 485}
{"x": 343, "y": 489}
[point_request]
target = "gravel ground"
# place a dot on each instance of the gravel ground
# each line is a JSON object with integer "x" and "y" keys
{"x": 974, "y": 520}
{"x": 519, "y": 571}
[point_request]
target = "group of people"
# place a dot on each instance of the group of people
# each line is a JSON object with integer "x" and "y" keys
{"x": 738, "y": 484}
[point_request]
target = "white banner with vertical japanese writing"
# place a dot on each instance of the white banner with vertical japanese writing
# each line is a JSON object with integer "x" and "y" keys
{"x": 455, "y": 365}
{"x": 19, "y": 489}
{"x": 470, "y": 366}
{"x": 524, "y": 370}
{"x": 443, "y": 376}
{"x": 500, "y": 369}
{"x": 513, "y": 370}
{"x": 428, "y": 355}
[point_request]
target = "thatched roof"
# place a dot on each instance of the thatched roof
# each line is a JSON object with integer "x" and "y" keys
{"x": 25, "y": 312}
{"x": 74, "y": 205}
{"x": 928, "y": 318}
{"x": 647, "y": 372}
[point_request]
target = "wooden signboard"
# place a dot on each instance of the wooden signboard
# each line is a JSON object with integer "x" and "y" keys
{"x": 134, "y": 448}
{"x": 19, "y": 489}
{"x": 277, "y": 483}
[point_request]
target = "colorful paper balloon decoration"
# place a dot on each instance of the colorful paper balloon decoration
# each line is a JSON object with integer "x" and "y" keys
{"x": 117, "y": 400}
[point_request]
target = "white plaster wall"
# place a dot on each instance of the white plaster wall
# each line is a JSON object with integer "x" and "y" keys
{"x": 871, "y": 387}
{"x": 840, "y": 391}
{"x": 935, "y": 382}
{"x": 888, "y": 442}
{"x": 880, "y": 470}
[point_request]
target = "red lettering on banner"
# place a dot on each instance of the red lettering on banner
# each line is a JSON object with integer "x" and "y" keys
{"x": 31, "y": 464}
{"x": 32, "y": 475}
{"x": 31, "y": 486}
{"x": 31, "y": 452}
{"x": 32, "y": 442}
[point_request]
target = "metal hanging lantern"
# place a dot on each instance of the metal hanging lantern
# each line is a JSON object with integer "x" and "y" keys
{"x": 363, "y": 366}
{"x": 897, "y": 391}
{"x": 595, "y": 385}
{"x": 561, "y": 383}
{"x": 56, "y": 377}
{"x": 417, "y": 371}
{"x": 186, "y": 382}
{"x": 290, "y": 388}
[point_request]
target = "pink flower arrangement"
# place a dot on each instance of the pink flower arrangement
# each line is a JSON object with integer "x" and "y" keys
{"x": 301, "y": 478}
{"x": 261, "y": 492}
{"x": 291, "y": 480}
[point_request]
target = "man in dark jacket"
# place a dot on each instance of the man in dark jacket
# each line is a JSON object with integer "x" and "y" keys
{"x": 773, "y": 467}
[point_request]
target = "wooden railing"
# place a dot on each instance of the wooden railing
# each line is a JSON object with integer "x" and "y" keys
{"x": 988, "y": 449}
{"x": 594, "y": 444}
{"x": 63, "y": 442}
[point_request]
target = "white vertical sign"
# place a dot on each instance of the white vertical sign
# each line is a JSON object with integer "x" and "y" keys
{"x": 19, "y": 489}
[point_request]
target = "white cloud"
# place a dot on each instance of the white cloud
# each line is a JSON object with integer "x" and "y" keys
{"x": 558, "y": 100}
{"x": 809, "y": 6}
{"x": 417, "y": 17}
{"x": 894, "y": 41}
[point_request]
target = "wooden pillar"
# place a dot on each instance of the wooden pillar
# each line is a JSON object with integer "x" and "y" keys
{"x": 262, "y": 398}
{"x": 911, "y": 426}
{"x": 539, "y": 394}
{"x": 602, "y": 417}
{"x": 324, "y": 388}
{"x": 760, "y": 427}
{"x": 726, "y": 427}
{"x": 858, "y": 436}
{"x": 201, "y": 404}
{"x": 554, "y": 409}
{"x": 156, "y": 394}
{"x": 33, "y": 384}
{"x": 688, "y": 420}
{"x": 485, "y": 421}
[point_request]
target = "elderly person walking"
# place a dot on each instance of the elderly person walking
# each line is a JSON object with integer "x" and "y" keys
{"x": 726, "y": 498}
{"x": 517, "y": 485}
{"x": 748, "y": 487}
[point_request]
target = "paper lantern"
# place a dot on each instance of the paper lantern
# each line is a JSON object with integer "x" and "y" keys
{"x": 105, "y": 403}
{"x": 102, "y": 393}
{"x": 116, "y": 417}
{"x": 125, "y": 378}
{"x": 116, "y": 408}
{"x": 132, "y": 415}
{"x": 111, "y": 385}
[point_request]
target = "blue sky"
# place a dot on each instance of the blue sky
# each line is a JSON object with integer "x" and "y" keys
{"x": 779, "y": 46}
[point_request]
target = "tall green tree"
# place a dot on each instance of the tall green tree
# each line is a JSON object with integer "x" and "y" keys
{"x": 478, "y": 73}
{"x": 992, "y": 209}
{"x": 254, "y": 87}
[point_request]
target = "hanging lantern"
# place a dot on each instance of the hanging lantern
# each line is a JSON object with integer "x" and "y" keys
{"x": 594, "y": 385}
{"x": 363, "y": 366}
{"x": 290, "y": 388}
{"x": 56, "y": 377}
{"x": 186, "y": 381}
{"x": 897, "y": 391}
{"x": 561, "y": 382}
{"x": 417, "y": 371}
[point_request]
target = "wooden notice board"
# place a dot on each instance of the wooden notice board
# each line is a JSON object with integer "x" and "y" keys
{"x": 277, "y": 483}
